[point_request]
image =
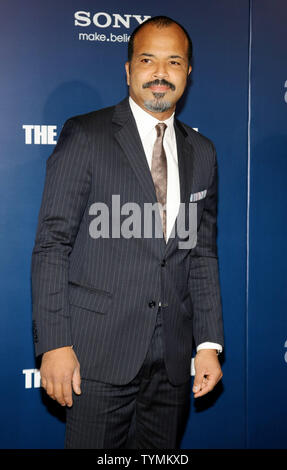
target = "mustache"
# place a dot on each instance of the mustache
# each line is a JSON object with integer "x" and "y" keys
{"x": 158, "y": 82}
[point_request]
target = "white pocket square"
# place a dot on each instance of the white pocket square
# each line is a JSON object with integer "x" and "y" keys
{"x": 194, "y": 197}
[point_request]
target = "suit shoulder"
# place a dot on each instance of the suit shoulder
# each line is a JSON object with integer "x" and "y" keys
{"x": 81, "y": 128}
{"x": 93, "y": 122}
{"x": 99, "y": 118}
{"x": 196, "y": 137}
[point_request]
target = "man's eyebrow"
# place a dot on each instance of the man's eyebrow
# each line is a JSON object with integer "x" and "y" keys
{"x": 175, "y": 56}
{"x": 147, "y": 54}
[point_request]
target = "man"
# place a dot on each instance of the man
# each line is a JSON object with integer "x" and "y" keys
{"x": 114, "y": 315}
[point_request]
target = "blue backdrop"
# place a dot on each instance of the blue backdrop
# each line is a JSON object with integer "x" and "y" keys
{"x": 60, "y": 59}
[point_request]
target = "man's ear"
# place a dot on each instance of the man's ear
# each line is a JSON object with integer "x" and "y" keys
{"x": 127, "y": 67}
{"x": 189, "y": 69}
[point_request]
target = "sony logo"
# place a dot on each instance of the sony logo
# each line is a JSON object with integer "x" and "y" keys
{"x": 105, "y": 20}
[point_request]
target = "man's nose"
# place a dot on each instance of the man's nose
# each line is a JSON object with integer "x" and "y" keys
{"x": 160, "y": 71}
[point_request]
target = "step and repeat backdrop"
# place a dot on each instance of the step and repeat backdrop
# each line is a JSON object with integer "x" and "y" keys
{"x": 63, "y": 58}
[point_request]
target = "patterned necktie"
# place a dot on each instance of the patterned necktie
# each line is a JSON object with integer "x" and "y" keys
{"x": 159, "y": 172}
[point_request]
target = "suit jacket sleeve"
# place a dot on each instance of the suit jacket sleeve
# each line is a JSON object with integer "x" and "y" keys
{"x": 204, "y": 276}
{"x": 65, "y": 196}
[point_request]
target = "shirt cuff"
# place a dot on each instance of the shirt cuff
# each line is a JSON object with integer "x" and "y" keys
{"x": 209, "y": 345}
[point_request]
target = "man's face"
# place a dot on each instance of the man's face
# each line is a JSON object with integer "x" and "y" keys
{"x": 159, "y": 69}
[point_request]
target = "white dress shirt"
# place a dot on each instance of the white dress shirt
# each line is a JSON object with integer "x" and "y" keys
{"x": 146, "y": 126}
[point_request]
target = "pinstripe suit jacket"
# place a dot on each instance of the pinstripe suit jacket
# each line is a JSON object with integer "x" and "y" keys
{"x": 101, "y": 295}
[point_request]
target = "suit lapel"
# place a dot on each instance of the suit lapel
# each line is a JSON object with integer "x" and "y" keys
{"x": 128, "y": 138}
{"x": 185, "y": 161}
{"x": 185, "y": 170}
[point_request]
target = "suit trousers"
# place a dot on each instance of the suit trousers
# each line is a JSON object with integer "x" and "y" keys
{"x": 147, "y": 413}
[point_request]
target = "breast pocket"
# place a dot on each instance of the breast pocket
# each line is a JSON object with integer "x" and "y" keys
{"x": 89, "y": 297}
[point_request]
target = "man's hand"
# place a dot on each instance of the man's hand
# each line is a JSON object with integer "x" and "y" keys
{"x": 60, "y": 371}
{"x": 207, "y": 372}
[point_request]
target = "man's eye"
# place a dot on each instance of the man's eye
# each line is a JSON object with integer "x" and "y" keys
{"x": 146, "y": 61}
{"x": 174, "y": 62}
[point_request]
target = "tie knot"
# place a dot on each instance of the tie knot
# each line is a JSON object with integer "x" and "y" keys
{"x": 160, "y": 129}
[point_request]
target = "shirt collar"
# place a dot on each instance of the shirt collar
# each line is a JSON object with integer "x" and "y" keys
{"x": 146, "y": 122}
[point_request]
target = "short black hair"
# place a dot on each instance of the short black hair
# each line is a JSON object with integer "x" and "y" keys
{"x": 161, "y": 22}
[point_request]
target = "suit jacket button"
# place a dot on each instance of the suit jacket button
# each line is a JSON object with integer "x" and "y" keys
{"x": 163, "y": 263}
{"x": 151, "y": 304}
